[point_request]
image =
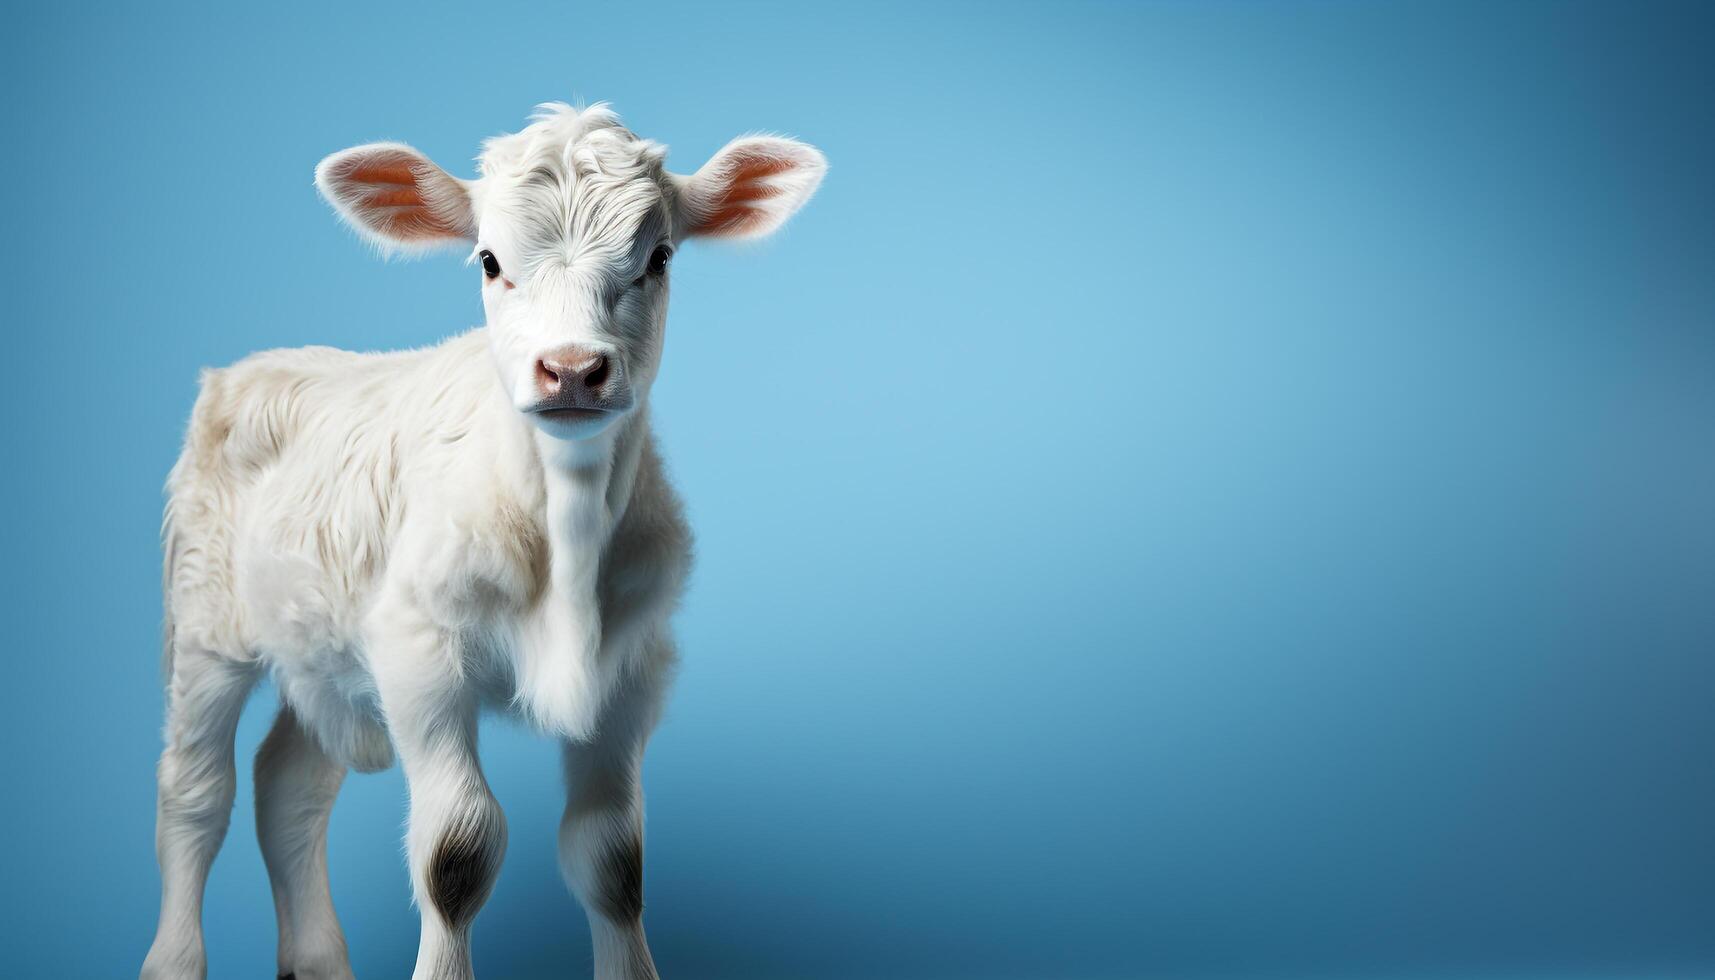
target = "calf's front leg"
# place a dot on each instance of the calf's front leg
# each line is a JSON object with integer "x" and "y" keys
{"x": 601, "y": 834}
{"x": 457, "y": 833}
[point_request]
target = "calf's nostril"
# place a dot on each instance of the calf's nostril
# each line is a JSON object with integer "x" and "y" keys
{"x": 546, "y": 378}
{"x": 597, "y": 375}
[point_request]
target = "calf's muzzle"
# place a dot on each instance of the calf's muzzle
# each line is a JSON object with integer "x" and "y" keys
{"x": 579, "y": 378}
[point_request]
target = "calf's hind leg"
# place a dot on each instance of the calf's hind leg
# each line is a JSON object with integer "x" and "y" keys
{"x": 196, "y": 780}
{"x": 296, "y": 783}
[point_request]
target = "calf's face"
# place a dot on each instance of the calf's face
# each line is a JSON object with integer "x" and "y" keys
{"x": 572, "y": 225}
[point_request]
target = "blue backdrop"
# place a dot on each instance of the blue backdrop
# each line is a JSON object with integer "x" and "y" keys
{"x": 1219, "y": 490}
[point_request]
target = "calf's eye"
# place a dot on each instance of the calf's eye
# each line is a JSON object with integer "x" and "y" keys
{"x": 490, "y": 264}
{"x": 658, "y": 259}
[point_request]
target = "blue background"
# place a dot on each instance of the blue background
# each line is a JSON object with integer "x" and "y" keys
{"x": 1205, "y": 489}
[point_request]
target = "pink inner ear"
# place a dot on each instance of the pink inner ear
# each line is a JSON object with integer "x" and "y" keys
{"x": 732, "y": 212}
{"x": 385, "y": 188}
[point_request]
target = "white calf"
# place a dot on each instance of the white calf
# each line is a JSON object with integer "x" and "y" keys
{"x": 403, "y": 538}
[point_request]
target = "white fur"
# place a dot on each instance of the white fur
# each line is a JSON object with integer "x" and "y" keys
{"x": 400, "y": 543}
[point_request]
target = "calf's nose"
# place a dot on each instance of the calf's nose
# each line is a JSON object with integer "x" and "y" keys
{"x": 572, "y": 374}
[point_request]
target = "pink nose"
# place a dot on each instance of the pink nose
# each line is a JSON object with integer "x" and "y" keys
{"x": 572, "y": 377}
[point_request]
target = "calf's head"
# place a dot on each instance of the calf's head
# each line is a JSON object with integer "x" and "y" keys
{"x": 572, "y": 223}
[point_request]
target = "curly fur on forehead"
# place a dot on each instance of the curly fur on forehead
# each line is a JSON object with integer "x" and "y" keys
{"x": 575, "y": 183}
{"x": 562, "y": 136}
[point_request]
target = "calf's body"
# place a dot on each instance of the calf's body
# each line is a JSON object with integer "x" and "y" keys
{"x": 404, "y": 539}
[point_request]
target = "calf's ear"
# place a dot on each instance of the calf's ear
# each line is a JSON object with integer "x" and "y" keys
{"x": 397, "y": 197}
{"x": 750, "y": 187}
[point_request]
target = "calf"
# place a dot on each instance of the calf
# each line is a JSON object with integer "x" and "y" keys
{"x": 401, "y": 539}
